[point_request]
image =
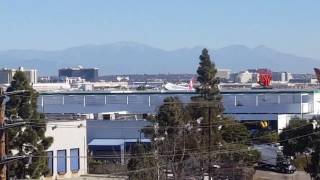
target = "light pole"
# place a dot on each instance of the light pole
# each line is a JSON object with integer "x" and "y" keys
{"x": 301, "y": 104}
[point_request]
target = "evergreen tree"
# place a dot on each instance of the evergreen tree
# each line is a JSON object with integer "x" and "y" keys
{"x": 140, "y": 165}
{"x": 28, "y": 140}
{"x": 208, "y": 88}
{"x": 314, "y": 167}
{"x": 173, "y": 122}
{"x": 233, "y": 132}
{"x": 180, "y": 136}
{"x": 172, "y": 137}
{"x": 209, "y": 99}
{"x": 292, "y": 145}
{"x": 223, "y": 130}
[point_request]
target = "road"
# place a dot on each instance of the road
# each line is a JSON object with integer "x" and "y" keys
{"x": 265, "y": 175}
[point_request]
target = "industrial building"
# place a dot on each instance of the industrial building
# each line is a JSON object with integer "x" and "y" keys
{"x": 275, "y": 106}
{"x": 67, "y": 155}
{"x": 281, "y": 76}
{"x": 89, "y": 74}
{"x": 114, "y": 138}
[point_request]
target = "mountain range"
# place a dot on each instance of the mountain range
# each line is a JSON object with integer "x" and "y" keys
{"x": 136, "y": 58}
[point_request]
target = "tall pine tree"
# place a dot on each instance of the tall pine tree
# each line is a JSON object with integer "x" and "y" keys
{"x": 28, "y": 140}
{"x": 209, "y": 99}
{"x": 215, "y": 130}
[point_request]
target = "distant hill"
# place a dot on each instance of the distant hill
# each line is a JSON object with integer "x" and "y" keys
{"x": 136, "y": 58}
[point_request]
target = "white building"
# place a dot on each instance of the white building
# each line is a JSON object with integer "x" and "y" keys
{"x": 223, "y": 73}
{"x": 6, "y": 75}
{"x": 274, "y": 106}
{"x": 282, "y": 76}
{"x": 67, "y": 156}
{"x": 246, "y": 77}
{"x": 49, "y": 87}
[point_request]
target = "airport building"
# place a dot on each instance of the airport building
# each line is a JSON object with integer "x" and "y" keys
{"x": 275, "y": 106}
{"x": 89, "y": 74}
{"x": 272, "y": 105}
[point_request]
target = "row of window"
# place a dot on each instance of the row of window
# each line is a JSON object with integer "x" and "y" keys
{"x": 62, "y": 161}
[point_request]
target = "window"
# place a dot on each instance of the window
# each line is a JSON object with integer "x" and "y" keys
{"x": 74, "y": 160}
{"x": 50, "y": 162}
{"x": 62, "y": 161}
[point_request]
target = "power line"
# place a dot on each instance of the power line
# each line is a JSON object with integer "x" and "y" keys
{"x": 3, "y": 158}
{"x": 235, "y": 143}
{"x": 186, "y": 126}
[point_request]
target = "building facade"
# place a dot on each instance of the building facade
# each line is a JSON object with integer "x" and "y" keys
{"x": 246, "y": 77}
{"x": 6, "y": 75}
{"x": 89, "y": 74}
{"x": 67, "y": 155}
{"x": 114, "y": 138}
{"x": 281, "y": 76}
{"x": 223, "y": 74}
{"x": 275, "y": 106}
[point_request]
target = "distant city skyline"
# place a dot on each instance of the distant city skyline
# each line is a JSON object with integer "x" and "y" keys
{"x": 288, "y": 26}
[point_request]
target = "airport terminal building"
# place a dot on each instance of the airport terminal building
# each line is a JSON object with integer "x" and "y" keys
{"x": 273, "y": 105}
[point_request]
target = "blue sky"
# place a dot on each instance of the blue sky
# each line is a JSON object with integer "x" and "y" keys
{"x": 290, "y": 26}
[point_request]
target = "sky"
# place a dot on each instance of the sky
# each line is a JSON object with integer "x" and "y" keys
{"x": 290, "y": 26}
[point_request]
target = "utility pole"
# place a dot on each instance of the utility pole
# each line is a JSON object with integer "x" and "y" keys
{"x": 3, "y": 168}
{"x": 209, "y": 147}
{"x": 3, "y": 127}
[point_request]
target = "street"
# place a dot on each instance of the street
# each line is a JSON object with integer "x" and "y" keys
{"x": 264, "y": 175}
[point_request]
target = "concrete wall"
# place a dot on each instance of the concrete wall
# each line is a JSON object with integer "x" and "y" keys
{"x": 68, "y": 135}
{"x": 283, "y": 121}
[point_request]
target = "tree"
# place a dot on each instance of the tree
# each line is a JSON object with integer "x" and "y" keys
{"x": 140, "y": 165}
{"x": 216, "y": 131}
{"x": 265, "y": 137}
{"x": 28, "y": 140}
{"x": 313, "y": 168}
{"x": 172, "y": 137}
{"x": 301, "y": 136}
{"x": 207, "y": 102}
{"x": 296, "y": 128}
{"x": 181, "y": 134}
{"x": 233, "y": 132}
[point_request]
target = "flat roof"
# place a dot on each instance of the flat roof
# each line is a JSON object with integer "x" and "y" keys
{"x": 238, "y": 91}
{"x": 115, "y": 142}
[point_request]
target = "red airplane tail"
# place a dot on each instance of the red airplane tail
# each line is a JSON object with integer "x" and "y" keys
{"x": 317, "y": 72}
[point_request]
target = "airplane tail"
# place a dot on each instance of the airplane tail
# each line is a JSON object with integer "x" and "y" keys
{"x": 190, "y": 86}
{"x": 317, "y": 72}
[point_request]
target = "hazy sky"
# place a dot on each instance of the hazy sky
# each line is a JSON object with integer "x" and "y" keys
{"x": 291, "y": 26}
